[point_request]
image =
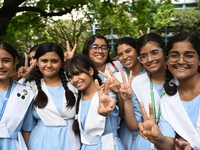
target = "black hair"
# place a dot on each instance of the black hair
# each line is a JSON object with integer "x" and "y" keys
{"x": 80, "y": 64}
{"x": 126, "y": 40}
{"x": 150, "y": 37}
{"x": 10, "y": 49}
{"x": 41, "y": 99}
{"x": 171, "y": 88}
{"x": 90, "y": 40}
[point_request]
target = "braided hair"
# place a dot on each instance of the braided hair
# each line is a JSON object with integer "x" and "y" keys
{"x": 41, "y": 99}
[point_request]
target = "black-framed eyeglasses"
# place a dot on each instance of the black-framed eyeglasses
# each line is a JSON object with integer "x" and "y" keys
{"x": 154, "y": 54}
{"x": 95, "y": 48}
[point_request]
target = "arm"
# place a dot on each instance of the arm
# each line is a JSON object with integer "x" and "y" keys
{"x": 126, "y": 94}
{"x": 149, "y": 130}
{"x": 26, "y": 135}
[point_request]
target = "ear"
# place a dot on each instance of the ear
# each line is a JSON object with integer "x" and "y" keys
{"x": 91, "y": 71}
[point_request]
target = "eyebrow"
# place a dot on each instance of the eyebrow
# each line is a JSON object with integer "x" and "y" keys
{"x": 184, "y": 52}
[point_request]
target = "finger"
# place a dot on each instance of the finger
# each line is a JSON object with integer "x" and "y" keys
{"x": 33, "y": 65}
{"x": 98, "y": 88}
{"x": 74, "y": 48}
{"x": 130, "y": 77}
{"x": 144, "y": 113}
{"x": 107, "y": 87}
{"x": 141, "y": 33}
{"x": 106, "y": 76}
{"x": 148, "y": 30}
{"x": 20, "y": 71}
{"x": 26, "y": 61}
{"x": 151, "y": 114}
{"x": 123, "y": 76}
{"x": 110, "y": 71}
{"x": 68, "y": 46}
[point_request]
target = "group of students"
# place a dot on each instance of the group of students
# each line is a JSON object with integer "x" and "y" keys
{"x": 146, "y": 99}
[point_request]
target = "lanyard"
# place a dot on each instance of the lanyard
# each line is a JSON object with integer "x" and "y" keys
{"x": 5, "y": 101}
{"x": 156, "y": 117}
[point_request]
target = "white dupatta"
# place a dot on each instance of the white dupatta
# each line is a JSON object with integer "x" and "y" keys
{"x": 174, "y": 112}
{"x": 15, "y": 111}
{"x": 94, "y": 126}
{"x": 141, "y": 88}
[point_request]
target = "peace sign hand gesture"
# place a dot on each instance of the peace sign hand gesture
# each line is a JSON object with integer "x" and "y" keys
{"x": 125, "y": 87}
{"x": 24, "y": 71}
{"x": 69, "y": 53}
{"x": 148, "y": 129}
{"x": 148, "y": 31}
{"x": 114, "y": 83}
{"x": 106, "y": 103}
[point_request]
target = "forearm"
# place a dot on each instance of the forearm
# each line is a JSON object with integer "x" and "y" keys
{"x": 129, "y": 116}
{"x": 120, "y": 103}
{"x": 26, "y": 136}
{"x": 164, "y": 143}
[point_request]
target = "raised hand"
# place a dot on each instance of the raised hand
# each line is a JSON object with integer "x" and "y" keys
{"x": 114, "y": 83}
{"x": 125, "y": 87}
{"x": 69, "y": 53}
{"x": 24, "y": 71}
{"x": 148, "y": 129}
{"x": 141, "y": 32}
{"x": 106, "y": 103}
{"x": 181, "y": 144}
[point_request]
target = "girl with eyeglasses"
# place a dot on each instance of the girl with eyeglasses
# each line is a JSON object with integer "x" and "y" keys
{"x": 16, "y": 120}
{"x": 97, "y": 48}
{"x": 180, "y": 107}
{"x": 97, "y": 114}
{"x": 54, "y": 103}
{"x": 147, "y": 86}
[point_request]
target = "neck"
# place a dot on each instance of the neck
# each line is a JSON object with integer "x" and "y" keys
{"x": 89, "y": 92}
{"x": 53, "y": 82}
{"x": 4, "y": 84}
{"x": 158, "y": 77}
{"x": 136, "y": 69}
{"x": 190, "y": 84}
{"x": 101, "y": 67}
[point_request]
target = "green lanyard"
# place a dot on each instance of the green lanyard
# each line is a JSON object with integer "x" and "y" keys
{"x": 156, "y": 117}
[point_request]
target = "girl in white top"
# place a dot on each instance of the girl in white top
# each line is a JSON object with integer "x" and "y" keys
{"x": 180, "y": 108}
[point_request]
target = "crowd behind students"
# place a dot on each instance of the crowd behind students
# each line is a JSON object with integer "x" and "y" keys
{"x": 146, "y": 99}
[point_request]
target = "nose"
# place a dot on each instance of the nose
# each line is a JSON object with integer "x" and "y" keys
{"x": 181, "y": 60}
{"x": 149, "y": 58}
{"x": 74, "y": 79}
{"x": 1, "y": 64}
{"x": 49, "y": 64}
{"x": 124, "y": 56}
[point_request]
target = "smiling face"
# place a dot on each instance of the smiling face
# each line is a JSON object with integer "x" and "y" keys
{"x": 99, "y": 58}
{"x": 127, "y": 56}
{"x": 49, "y": 64}
{"x": 153, "y": 65}
{"x": 82, "y": 80}
{"x": 182, "y": 69}
{"x": 7, "y": 65}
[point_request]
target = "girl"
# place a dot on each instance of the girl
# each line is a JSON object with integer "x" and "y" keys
{"x": 98, "y": 132}
{"x": 180, "y": 107}
{"x": 15, "y": 104}
{"x": 54, "y": 104}
{"x": 97, "y": 48}
{"x": 148, "y": 86}
{"x": 127, "y": 55}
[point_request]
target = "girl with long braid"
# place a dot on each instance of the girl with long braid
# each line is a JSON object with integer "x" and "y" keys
{"x": 97, "y": 111}
{"x": 54, "y": 104}
{"x": 180, "y": 107}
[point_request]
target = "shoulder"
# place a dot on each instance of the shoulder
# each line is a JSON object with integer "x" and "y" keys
{"x": 115, "y": 63}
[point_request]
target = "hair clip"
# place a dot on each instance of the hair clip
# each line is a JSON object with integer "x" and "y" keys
{"x": 76, "y": 117}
